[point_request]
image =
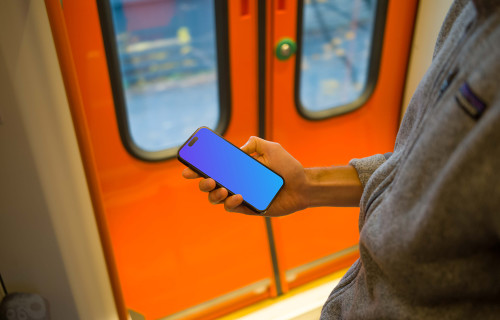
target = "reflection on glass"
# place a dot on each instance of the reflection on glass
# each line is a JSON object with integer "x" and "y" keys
{"x": 168, "y": 60}
{"x": 336, "y": 43}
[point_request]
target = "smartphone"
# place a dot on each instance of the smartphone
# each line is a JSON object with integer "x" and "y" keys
{"x": 210, "y": 155}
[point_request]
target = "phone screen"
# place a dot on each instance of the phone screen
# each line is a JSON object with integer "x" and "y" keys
{"x": 212, "y": 156}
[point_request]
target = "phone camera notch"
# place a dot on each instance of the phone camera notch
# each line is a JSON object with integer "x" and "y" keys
{"x": 192, "y": 141}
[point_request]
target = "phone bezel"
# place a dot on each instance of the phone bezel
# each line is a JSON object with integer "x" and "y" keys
{"x": 248, "y": 205}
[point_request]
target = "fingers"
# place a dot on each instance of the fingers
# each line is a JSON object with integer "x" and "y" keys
{"x": 235, "y": 204}
{"x": 207, "y": 185}
{"x": 190, "y": 174}
{"x": 231, "y": 204}
{"x": 220, "y": 195}
{"x": 217, "y": 196}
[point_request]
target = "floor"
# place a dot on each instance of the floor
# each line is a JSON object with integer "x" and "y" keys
{"x": 303, "y": 303}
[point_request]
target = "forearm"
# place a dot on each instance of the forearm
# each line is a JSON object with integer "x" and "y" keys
{"x": 336, "y": 186}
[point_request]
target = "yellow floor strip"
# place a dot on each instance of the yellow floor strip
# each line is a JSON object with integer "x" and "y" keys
{"x": 269, "y": 302}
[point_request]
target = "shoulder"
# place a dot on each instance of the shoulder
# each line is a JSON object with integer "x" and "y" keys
{"x": 457, "y": 16}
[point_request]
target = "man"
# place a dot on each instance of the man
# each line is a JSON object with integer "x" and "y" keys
{"x": 430, "y": 211}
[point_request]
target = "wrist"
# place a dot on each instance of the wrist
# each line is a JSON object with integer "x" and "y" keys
{"x": 336, "y": 186}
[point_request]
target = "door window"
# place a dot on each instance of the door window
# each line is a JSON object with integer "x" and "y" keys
{"x": 340, "y": 49}
{"x": 167, "y": 56}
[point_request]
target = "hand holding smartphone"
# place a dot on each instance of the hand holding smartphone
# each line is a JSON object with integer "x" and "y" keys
{"x": 210, "y": 155}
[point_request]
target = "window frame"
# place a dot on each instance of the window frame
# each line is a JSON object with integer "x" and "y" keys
{"x": 115, "y": 77}
{"x": 373, "y": 69}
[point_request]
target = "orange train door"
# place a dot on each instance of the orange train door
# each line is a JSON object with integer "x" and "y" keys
{"x": 146, "y": 73}
{"x": 337, "y": 97}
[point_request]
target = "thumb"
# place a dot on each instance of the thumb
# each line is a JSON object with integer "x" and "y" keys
{"x": 254, "y": 145}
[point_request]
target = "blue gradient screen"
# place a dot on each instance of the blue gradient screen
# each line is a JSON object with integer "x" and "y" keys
{"x": 231, "y": 168}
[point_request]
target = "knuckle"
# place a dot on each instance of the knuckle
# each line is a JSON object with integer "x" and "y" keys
{"x": 227, "y": 207}
{"x": 255, "y": 139}
{"x": 206, "y": 185}
{"x": 200, "y": 185}
{"x": 213, "y": 201}
{"x": 210, "y": 198}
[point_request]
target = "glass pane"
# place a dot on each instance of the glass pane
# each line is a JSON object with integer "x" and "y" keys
{"x": 336, "y": 48}
{"x": 168, "y": 60}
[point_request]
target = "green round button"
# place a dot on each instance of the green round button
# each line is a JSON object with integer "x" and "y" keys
{"x": 285, "y": 48}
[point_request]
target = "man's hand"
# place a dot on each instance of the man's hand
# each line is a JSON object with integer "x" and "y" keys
{"x": 291, "y": 198}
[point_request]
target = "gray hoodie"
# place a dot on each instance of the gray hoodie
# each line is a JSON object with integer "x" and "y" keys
{"x": 430, "y": 212}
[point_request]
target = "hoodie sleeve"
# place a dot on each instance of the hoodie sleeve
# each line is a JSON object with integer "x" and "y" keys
{"x": 367, "y": 166}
